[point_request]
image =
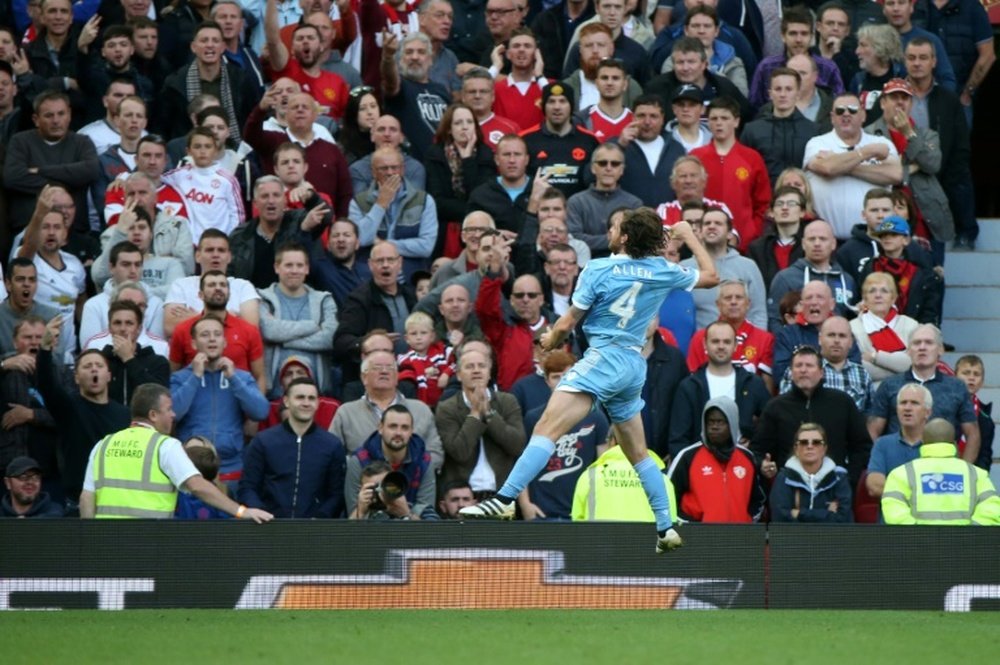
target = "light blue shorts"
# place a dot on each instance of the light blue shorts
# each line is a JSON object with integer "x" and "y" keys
{"x": 614, "y": 376}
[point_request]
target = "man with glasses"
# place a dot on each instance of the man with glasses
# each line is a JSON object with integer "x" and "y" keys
{"x": 780, "y": 135}
{"x": 473, "y": 226}
{"x": 435, "y": 18}
{"x": 25, "y": 498}
{"x": 503, "y": 17}
{"x": 588, "y": 211}
{"x": 513, "y": 337}
{"x": 380, "y": 302}
{"x": 386, "y": 132}
{"x": 843, "y": 164}
{"x": 810, "y": 401}
{"x": 552, "y": 228}
{"x": 393, "y": 208}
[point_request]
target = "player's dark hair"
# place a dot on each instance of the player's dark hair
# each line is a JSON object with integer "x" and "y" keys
{"x": 643, "y": 231}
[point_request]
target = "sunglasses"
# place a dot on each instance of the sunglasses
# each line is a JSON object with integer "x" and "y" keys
{"x": 361, "y": 90}
{"x": 787, "y": 204}
{"x": 525, "y": 294}
{"x": 808, "y": 443}
{"x": 608, "y": 162}
{"x": 850, "y": 108}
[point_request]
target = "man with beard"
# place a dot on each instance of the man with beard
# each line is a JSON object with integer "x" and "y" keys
{"x": 394, "y": 442}
{"x": 716, "y": 479}
{"x": 518, "y": 94}
{"x": 596, "y": 46}
{"x": 559, "y": 148}
{"x": 409, "y": 94}
{"x": 304, "y": 64}
{"x": 244, "y": 346}
{"x": 609, "y": 116}
{"x": 212, "y": 397}
{"x": 91, "y": 411}
{"x": 25, "y": 498}
{"x": 612, "y": 13}
{"x": 337, "y": 269}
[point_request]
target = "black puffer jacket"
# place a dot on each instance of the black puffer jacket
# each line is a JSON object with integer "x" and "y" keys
{"x": 780, "y": 141}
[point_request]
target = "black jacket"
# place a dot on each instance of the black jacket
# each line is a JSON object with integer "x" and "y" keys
{"x": 364, "y": 310}
{"x": 653, "y": 187}
{"x": 690, "y": 400}
{"x": 666, "y": 369}
{"x": 848, "y": 443}
{"x": 780, "y": 141}
{"x": 173, "y": 117}
{"x": 509, "y": 216}
{"x": 761, "y": 251}
{"x": 860, "y": 248}
{"x": 553, "y": 38}
{"x": 451, "y": 206}
{"x": 145, "y": 367}
{"x": 665, "y": 85}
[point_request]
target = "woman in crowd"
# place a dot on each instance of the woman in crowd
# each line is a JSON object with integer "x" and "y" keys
{"x": 457, "y": 162}
{"x": 811, "y": 487}
{"x": 880, "y": 330}
{"x": 355, "y": 137}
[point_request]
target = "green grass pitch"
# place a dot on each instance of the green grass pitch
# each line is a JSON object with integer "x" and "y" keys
{"x": 443, "y": 637}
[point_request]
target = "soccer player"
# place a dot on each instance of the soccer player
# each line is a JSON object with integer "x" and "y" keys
{"x": 622, "y": 293}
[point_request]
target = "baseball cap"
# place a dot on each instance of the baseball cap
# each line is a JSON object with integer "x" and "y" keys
{"x": 20, "y": 465}
{"x": 893, "y": 224}
{"x": 557, "y": 89}
{"x": 688, "y": 91}
{"x": 897, "y": 85}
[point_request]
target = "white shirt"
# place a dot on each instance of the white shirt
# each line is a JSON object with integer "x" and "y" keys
{"x": 102, "y": 133}
{"x": 60, "y": 289}
{"x": 652, "y": 150}
{"x": 840, "y": 200}
{"x": 185, "y": 292}
{"x": 212, "y": 198}
{"x": 721, "y": 386}
{"x": 589, "y": 94}
{"x": 174, "y": 462}
{"x": 95, "y": 314}
{"x": 103, "y": 338}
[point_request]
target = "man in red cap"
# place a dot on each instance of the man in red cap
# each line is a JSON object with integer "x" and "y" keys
{"x": 297, "y": 367}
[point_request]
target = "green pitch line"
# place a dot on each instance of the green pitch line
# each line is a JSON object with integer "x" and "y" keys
{"x": 408, "y": 637}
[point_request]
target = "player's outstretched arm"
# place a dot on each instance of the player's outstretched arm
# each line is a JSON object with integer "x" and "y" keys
{"x": 708, "y": 276}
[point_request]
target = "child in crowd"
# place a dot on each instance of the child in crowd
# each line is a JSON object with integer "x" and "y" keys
{"x": 421, "y": 280}
{"x": 920, "y": 289}
{"x": 428, "y": 363}
{"x": 211, "y": 194}
{"x": 206, "y": 459}
{"x": 970, "y": 369}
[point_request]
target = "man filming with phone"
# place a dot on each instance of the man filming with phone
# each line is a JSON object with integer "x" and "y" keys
{"x": 391, "y": 476}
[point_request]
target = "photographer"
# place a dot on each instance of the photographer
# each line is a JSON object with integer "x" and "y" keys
{"x": 371, "y": 491}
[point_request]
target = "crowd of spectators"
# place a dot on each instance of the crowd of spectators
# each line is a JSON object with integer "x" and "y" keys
{"x": 336, "y": 231}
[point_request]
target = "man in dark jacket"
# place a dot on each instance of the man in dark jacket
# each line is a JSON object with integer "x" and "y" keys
{"x": 131, "y": 364}
{"x": 295, "y": 469}
{"x": 394, "y": 442}
{"x": 780, "y": 136}
{"x": 651, "y": 183}
{"x": 716, "y": 378}
{"x": 665, "y": 371}
{"x": 381, "y": 302}
{"x": 253, "y": 244}
{"x": 691, "y": 67}
{"x": 847, "y": 437}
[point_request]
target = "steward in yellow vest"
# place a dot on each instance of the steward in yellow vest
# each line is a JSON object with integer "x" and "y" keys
{"x": 938, "y": 487}
{"x": 610, "y": 490}
{"x": 136, "y": 473}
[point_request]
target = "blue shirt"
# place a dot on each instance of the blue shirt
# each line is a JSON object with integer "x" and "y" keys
{"x": 622, "y": 295}
{"x": 889, "y": 452}
{"x": 951, "y": 399}
{"x": 962, "y": 25}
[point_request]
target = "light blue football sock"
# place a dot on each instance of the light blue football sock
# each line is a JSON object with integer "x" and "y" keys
{"x": 534, "y": 458}
{"x": 652, "y": 481}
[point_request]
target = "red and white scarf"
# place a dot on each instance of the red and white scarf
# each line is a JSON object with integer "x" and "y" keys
{"x": 881, "y": 331}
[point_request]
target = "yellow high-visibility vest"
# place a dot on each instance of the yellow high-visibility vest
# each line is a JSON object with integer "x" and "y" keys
{"x": 128, "y": 481}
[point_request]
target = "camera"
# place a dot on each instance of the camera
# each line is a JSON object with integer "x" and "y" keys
{"x": 391, "y": 488}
